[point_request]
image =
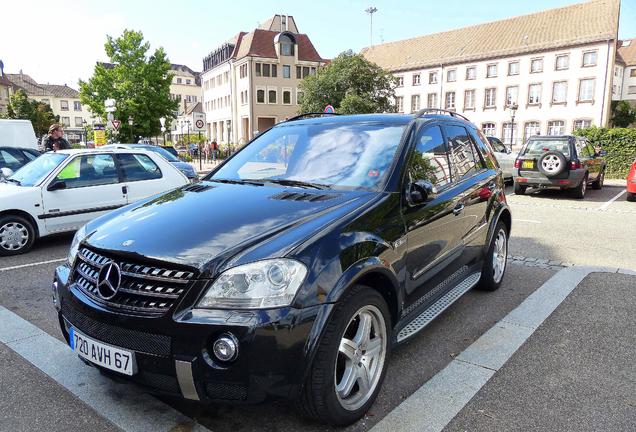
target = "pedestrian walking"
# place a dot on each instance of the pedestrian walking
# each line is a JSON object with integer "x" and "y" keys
{"x": 55, "y": 141}
{"x": 206, "y": 151}
{"x": 215, "y": 148}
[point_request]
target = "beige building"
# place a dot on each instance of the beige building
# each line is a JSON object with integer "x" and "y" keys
{"x": 556, "y": 67}
{"x": 251, "y": 82}
{"x": 64, "y": 102}
{"x": 186, "y": 84}
{"x": 624, "y": 87}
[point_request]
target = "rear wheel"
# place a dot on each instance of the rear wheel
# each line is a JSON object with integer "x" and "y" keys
{"x": 519, "y": 189}
{"x": 598, "y": 183}
{"x": 351, "y": 360}
{"x": 16, "y": 235}
{"x": 494, "y": 267}
{"x": 579, "y": 191}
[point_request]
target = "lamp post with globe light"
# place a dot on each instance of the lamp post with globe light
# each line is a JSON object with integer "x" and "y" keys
{"x": 130, "y": 123}
{"x": 513, "y": 107}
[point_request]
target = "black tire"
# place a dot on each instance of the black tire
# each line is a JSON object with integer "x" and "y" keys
{"x": 318, "y": 398}
{"x": 552, "y": 163}
{"x": 581, "y": 189}
{"x": 490, "y": 281}
{"x": 631, "y": 197}
{"x": 598, "y": 183}
{"x": 519, "y": 189}
{"x": 11, "y": 228}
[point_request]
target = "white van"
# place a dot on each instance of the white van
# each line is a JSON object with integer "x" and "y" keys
{"x": 17, "y": 133}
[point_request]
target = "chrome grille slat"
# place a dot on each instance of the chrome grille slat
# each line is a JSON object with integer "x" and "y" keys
{"x": 149, "y": 293}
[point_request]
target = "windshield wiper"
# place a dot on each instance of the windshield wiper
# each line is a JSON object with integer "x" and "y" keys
{"x": 14, "y": 181}
{"x": 299, "y": 183}
{"x": 237, "y": 181}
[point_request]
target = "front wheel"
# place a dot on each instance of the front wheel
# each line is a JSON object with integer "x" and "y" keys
{"x": 16, "y": 235}
{"x": 598, "y": 183}
{"x": 494, "y": 267}
{"x": 351, "y": 360}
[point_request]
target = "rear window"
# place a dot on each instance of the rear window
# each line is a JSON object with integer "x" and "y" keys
{"x": 538, "y": 147}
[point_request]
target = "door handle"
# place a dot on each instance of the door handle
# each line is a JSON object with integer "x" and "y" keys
{"x": 124, "y": 190}
{"x": 458, "y": 209}
{"x": 492, "y": 185}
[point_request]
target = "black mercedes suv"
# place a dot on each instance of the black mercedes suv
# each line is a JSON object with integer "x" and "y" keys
{"x": 294, "y": 267}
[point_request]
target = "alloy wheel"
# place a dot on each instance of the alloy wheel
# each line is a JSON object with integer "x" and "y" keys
{"x": 551, "y": 163}
{"x": 499, "y": 256}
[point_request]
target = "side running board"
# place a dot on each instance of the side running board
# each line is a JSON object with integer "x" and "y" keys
{"x": 423, "y": 319}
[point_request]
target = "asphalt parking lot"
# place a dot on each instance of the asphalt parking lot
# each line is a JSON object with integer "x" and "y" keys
{"x": 550, "y": 232}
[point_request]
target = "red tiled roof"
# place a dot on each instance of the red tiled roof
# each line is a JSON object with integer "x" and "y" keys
{"x": 626, "y": 52}
{"x": 260, "y": 43}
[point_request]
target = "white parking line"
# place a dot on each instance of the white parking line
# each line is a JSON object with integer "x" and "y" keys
{"x": 441, "y": 398}
{"x": 31, "y": 264}
{"x": 125, "y": 405}
{"x": 607, "y": 204}
{"x": 528, "y": 221}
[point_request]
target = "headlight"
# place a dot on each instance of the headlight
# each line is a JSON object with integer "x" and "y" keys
{"x": 72, "y": 253}
{"x": 259, "y": 285}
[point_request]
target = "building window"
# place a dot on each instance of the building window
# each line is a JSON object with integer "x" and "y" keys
{"x": 559, "y": 92}
{"x": 509, "y": 132}
{"x": 78, "y": 122}
{"x": 469, "y": 99}
{"x": 44, "y": 101}
{"x": 450, "y": 100}
{"x": 491, "y": 71}
{"x": 399, "y": 104}
{"x": 66, "y": 121}
{"x": 312, "y": 71}
{"x": 188, "y": 81}
{"x": 471, "y": 73}
{"x": 488, "y": 129}
{"x": 305, "y": 71}
{"x": 586, "y": 90}
{"x": 513, "y": 68}
{"x": 632, "y": 73}
{"x": 286, "y": 71}
{"x": 260, "y": 96}
{"x": 512, "y": 95}
{"x": 451, "y": 75}
{"x": 431, "y": 100}
{"x": 179, "y": 80}
{"x": 432, "y": 77}
{"x": 531, "y": 129}
{"x": 400, "y": 81}
{"x": 581, "y": 124}
{"x": 286, "y": 45}
{"x": 299, "y": 73}
{"x": 562, "y": 62}
{"x": 266, "y": 70}
{"x": 416, "y": 79}
{"x": 534, "y": 94}
{"x": 556, "y": 127}
{"x": 490, "y": 98}
{"x": 274, "y": 71}
{"x": 287, "y": 97}
{"x": 64, "y": 105}
{"x": 258, "y": 70}
{"x": 631, "y": 89}
{"x": 589, "y": 58}
{"x": 536, "y": 65}
{"x": 77, "y": 106}
{"x": 243, "y": 70}
{"x": 415, "y": 103}
{"x": 271, "y": 96}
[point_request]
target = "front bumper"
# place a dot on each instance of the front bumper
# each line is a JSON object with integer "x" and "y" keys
{"x": 174, "y": 353}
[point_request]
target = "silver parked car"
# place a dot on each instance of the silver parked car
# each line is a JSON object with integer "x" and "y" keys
{"x": 504, "y": 156}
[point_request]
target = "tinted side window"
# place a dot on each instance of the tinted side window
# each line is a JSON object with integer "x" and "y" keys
{"x": 430, "y": 158}
{"x": 137, "y": 167}
{"x": 581, "y": 149}
{"x": 89, "y": 170}
{"x": 464, "y": 159}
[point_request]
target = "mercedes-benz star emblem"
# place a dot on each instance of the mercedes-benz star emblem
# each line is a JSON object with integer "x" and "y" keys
{"x": 108, "y": 280}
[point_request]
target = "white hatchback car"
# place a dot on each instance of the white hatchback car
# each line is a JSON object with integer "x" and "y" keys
{"x": 61, "y": 191}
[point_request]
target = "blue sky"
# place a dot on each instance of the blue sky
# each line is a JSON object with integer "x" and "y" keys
{"x": 189, "y": 29}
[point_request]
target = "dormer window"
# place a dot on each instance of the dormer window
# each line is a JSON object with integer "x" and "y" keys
{"x": 286, "y": 43}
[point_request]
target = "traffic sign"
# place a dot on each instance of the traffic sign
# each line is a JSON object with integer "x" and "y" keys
{"x": 329, "y": 109}
{"x": 116, "y": 124}
{"x": 199, "y": 124}
{"x": 198, "y": 121}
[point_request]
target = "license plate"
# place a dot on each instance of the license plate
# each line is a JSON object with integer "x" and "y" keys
{"x": 527, "y": 164}
{"x": 105, "y": 355}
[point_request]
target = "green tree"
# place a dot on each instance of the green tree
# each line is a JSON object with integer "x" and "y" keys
{"x": 351, "y": 84}
{"x": 623, "y": 114}
{"x": 39, "y": 113}
{"x": 139, "y": 84}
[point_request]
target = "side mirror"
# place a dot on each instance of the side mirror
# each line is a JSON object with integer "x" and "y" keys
{"x": 56, "y": 185}
{"x": 421, "y": 191}
{"x": 5, "y": 172}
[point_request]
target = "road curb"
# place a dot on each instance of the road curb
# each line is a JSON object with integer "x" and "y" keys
{"x": 439, "y": 400}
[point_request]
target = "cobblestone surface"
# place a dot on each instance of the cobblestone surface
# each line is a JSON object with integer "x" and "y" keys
{"x": 540, "y": 263}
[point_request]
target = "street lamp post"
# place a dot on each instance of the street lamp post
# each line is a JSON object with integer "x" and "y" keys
{"x": 513, "y": 111}
{"x": 371, "y": 10}
{"x": 130, "y": 123}
{"x": 188, "y": 123}
{"x": 85, "y": 133}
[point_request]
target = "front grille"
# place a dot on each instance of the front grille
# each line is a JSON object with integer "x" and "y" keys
{"x": 125, "y": 338}
{"x": 143, "y": 289}
{"x": 226, "y": 391}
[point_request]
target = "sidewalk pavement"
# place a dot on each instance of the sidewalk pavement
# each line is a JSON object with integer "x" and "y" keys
{"x": 563, "y": 360}
{"x": 204, "y": 167}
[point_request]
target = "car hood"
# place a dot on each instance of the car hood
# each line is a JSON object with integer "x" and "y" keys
{"x": 8, "y": 191}
{"x": 208, "y": 224}
{"x": 183, "y": 166}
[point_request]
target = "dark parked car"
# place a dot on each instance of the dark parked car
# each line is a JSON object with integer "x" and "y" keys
{"x": 184, "y": 167}
{"x": 171, "y": 150}
{"x": 15, "y": 158}
{"x": 560, "y": 162}
{"x": 295, "y": 267}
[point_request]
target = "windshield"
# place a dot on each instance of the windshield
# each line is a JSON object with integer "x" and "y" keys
{"x": 332, "y": 155}
{"x": 35, "y": 171}
{"x": 539, "y": 146}
{"x": 163, "y": 152}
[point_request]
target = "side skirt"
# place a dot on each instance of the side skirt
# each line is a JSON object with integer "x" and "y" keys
{"x": 436, "y": 308}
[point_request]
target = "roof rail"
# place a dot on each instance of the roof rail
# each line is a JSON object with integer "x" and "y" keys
{"x": 424, "y": 111}
{"x": 310, "y": 114}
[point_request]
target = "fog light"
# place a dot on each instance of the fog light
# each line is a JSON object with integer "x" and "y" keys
{"x": 225, "y": 348}
{"x": 56, "y": 296}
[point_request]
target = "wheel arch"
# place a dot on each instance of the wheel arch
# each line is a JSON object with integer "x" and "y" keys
{"x": 25, "y": 215}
